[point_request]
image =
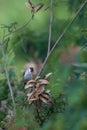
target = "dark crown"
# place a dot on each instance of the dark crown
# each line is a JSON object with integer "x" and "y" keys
{"x": 32, "y": 69}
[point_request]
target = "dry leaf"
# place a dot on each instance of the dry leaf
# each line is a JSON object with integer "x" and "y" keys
{"x": 32, "y": 7}
{"x": 31, "y": 81}
{"x": 41, "y": 90}
{"x": 38, "y": 92}
{"x": 48, "y": 91}
{"x": 47, "y": 75}
{"x": 43, "y": 100}
{"x": 43, "y": 82}
{"x": 38, "y": 7}
{"x": 46, "y": 95}
{"x": 29, "y": 95}
{"x": 38, "y": 77}
{"x": 29, "y": 86}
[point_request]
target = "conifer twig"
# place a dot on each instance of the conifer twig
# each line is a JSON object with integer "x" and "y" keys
{"x": 63, "y": 33}
{"x": 50, "y": 26}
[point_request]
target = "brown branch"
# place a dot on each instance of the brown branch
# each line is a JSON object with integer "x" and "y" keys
{"x": 50, "y": 25}
{"x": 61, "y": 36}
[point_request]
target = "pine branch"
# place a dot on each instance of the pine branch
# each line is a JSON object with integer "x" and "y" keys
{"x": 63, "y": 33}
{"x": 50, "y": 26}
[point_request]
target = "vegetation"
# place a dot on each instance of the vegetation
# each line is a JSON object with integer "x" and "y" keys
{"x": 51, "y": 37}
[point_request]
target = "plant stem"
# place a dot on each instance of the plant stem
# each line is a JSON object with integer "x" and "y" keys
{"x": 63, "y": 33}
{"x": 19, "y": 29}
{"x": 7, "y": 74}
{"x": 5, "y": 36}
{"x": 50, "y": 26}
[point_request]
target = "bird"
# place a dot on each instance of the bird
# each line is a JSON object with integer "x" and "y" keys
{"x": 28, "y": 73}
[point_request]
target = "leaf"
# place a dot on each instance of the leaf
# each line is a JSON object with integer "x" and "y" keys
{"x": 47, "y": 75}
{"x": 43, "y": 82}
{"x": 38, "y": 7}
{"x": 31, "y": 82}
{"x": 41, "y": 90}
{"x": 29, "y": 94}
{"x": 43, "y": 99}
{"x": 29, "y": 86}
{"x": 38, "y": 77}
{"x": 38, "y": 92}
{"x": 30, "y": 5}
{"x": 80, "y": 67}
{"x": 48, "y": 91}
{"x": 33, "y": 97}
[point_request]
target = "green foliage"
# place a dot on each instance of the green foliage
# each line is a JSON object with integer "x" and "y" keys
{"x": 67, "y": 83}
{"x": 2, "y": 116}
{"x": 25, "y": 117}
{"x": 75, "y": 111}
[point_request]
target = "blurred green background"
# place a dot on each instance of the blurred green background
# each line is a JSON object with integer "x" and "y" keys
{"x": 31, "y": 44}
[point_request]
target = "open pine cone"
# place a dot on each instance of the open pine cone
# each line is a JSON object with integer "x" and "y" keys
{"x": 37, "y": 90}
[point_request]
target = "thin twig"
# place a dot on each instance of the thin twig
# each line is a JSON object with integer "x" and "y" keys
{"x": 5, "y": 36}
{"x": 50, "y": 26}
{"x": 61, "y": 36}
{"x": 6, "y": 72}
{"x": 19, "y": 29}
